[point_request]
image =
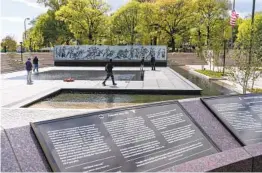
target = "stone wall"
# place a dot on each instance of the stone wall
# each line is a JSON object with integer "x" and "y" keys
{"x": 119, "y": 53}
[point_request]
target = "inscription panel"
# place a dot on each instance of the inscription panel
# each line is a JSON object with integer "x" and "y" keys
{"x": 151, "y": 138}
{"x": 241, "y": 114}
{"x": 103, "y": 52}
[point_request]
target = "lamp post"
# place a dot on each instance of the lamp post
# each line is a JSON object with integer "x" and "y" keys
{"x": 232, "y": 39}
{"x": 25, "y": 26}
{"x": 21, "y": 50}
{"x": 224, "y": 56}
{"x": 252, "y": 31}
{"x": 30, "y": 45}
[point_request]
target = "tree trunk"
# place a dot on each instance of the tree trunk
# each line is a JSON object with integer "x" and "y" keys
{"x": 90, "y": 38}
{"x": 253, "y": 83}
{"x": 253, "y": 79}
{"x": 173, "y": 44}
{"x": 154, "y": 40}
{"x": 208, "y": 35}
{"x": 244, "y": 89}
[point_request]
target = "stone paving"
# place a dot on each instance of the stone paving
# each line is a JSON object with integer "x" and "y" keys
{"x": 15, "y": 93}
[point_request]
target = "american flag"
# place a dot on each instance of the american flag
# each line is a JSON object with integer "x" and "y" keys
{"x": 234, "y": 17}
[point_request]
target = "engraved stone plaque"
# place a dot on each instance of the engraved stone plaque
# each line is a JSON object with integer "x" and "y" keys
{"x": 151, "y": 138}
{"x": 241, "y": 114}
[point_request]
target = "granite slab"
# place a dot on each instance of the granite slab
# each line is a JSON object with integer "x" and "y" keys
{"x": 255, "y": 151}
{"x": 235, "y": 160}
{"x": 214, "y": 129}
{"x": 8, "y": 159}
{"x": 240, "y": 114}
{"x": 27, "y": 150}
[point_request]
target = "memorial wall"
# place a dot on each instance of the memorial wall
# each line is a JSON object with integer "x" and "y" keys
{"x": 149, "y": 138}
{"x": 241, "y": 114}
{"x": 104, "y": 53}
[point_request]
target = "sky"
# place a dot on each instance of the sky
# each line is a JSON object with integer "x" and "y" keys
{"x": 14, "y": 12}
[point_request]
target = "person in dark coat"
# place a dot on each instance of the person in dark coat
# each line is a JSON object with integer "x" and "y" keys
{"x": 142, "y": 62}
{"x": 35, "y": 63}
{"x": 109, "y": 70}
{"x": 28, "y": 67}
{"x": 153, "y": 62}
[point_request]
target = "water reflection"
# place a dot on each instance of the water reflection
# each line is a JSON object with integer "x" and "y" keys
{"x": 84, "y": 100}
{"x": 209, "y": 88}
{"x": 81, "y": 100}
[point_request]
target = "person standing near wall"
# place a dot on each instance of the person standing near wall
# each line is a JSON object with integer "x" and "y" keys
{"x": 109, "y": 70}
{"x": 35, "y": 62}
{"x": 28, "y": 66}
{"x": 142, "y": 62}
{"x": 153, "y": 62}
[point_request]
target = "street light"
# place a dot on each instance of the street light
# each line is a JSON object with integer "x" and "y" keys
{"x": 30, "y": 45}
{"x": 232, "y": 39}
{"x": 25, "y": 25}
{"x": 252, "y": 31}
{"x": 21, "y": 50}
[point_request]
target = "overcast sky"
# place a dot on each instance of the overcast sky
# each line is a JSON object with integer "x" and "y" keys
{"x": 13, "y": 13}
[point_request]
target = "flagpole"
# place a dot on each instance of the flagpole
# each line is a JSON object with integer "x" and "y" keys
{"x": 232, "y": 39}
{"x": 252, "y": 31}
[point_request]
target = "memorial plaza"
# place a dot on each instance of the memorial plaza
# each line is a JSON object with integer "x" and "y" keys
{"x": 191, "y": 134}
{"x": 131, "y": 86}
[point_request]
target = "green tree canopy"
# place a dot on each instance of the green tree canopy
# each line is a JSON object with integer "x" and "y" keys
{"x": 9, "y": 42}
{"x": 125, "y": 22}
{"x": 147, "y": 26}
{"x": 174, "y": 17}
{"x": 244, "y": 33}
{"x": 85, "y": 18}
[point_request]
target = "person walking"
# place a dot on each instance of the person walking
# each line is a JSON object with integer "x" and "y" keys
{"x": 142, "y": 62}
{"x": 153, "y": 62}
{"x": 35, "y": 63}
{"x": 109, "y": 70}
{"x": 28, "y": 66}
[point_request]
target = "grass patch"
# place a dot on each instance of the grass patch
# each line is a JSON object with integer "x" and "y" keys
{"x": 255, "y": 90}
{"x": 210, "y": 73}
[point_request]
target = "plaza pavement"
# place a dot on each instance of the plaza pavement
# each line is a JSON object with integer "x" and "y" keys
{"x": 15, "y": 93}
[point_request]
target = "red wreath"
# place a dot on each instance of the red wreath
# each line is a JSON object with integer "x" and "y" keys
{"x": 69, "y": 80}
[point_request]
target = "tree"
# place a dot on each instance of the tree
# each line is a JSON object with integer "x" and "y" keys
{"x": 221, "y": 33}
{"x": 147, "y": 24}
{"x": 246, "y": 71}
{"x": 85, "y": 18}
{"x": 208, "y": 14}
{"x": 125, "y": 22}
{"x": 9, "y": 42}
{"x": 174, "y": 17}
{"x": 34, "y": 39}
{"x": 54, "y": 5}
{"x": 53, "y": 31}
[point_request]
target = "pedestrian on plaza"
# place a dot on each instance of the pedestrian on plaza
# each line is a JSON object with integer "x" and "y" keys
{"x": 142, "y": 62}
{"x": 35, "y": 63}
{"x": 109, "y": 70}
{"x": 28, "y": 67}
{"x": 153, "y": 62}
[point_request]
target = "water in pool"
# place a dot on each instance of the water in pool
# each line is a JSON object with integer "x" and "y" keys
{"x": 83, "y": 100}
